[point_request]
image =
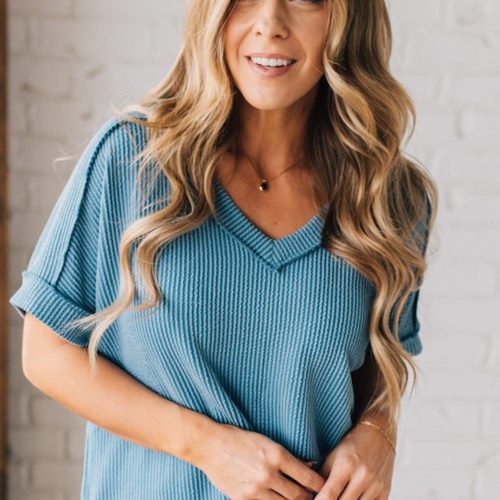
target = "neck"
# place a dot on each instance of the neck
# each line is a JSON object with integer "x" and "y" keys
{"x": 273, "y": 139}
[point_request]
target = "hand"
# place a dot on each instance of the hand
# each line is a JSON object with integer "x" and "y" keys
{"x": 360, "y": 467}
{"x": 248, "y": 465}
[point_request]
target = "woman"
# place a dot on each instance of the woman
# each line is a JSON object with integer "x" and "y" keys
{"x": 253, "y": 308}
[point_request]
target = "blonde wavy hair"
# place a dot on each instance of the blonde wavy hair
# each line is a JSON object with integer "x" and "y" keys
{"x": 382, "y": 205}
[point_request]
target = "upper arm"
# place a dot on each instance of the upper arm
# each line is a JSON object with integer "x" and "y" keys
{"x": 38, "y": 341}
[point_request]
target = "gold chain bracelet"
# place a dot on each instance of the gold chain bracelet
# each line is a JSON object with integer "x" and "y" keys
{"x": 371, "y": 424}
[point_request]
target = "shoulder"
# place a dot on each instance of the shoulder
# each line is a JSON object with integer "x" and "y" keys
{"x": 117, "y": 139}
{"x": 108, "y": 163}
{"x": 127, "y": 186}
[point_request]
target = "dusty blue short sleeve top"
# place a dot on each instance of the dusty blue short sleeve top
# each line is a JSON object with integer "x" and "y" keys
{"x": 255, "y": 332}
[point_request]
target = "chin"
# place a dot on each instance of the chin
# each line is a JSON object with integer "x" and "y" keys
{"x": 267, "y": 103}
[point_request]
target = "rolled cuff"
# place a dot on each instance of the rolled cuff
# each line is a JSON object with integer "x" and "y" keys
{"x": 51, "y": 307}
{"x": 412, "y": 344}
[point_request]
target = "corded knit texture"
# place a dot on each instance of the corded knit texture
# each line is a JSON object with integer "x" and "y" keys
{"x": 256, "y": 332}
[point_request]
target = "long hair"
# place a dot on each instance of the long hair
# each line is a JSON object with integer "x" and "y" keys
{"x": 379, "y": 199}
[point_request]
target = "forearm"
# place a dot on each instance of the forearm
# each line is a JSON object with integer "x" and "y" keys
{"x": 119, "y": 403}
{"x": 367, "y": 384}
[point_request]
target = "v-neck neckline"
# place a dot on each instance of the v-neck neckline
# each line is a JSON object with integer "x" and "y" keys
{"x": 276, "y": 252}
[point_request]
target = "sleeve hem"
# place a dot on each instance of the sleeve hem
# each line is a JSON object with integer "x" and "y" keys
{"x": 50, "y": 306}
{"x": 412, "y": 344}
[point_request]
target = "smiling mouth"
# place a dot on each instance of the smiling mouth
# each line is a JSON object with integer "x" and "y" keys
{"x": 248, "y": 58}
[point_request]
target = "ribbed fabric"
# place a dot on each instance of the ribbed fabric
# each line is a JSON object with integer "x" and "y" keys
{"x": 254, "y": 332}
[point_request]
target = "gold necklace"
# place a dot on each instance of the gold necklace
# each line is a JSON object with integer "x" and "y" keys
{"x": 264, "y": 183}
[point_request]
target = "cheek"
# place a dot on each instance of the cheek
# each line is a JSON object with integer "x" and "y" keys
{"x": 314, "y": 56}
{"x": 231, "y": 37}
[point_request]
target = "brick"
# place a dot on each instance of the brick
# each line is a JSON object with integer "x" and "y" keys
{"x": 475, "y": 14}
{"x": 466, "y": 242}
{"x": 38, "y": 495}
{"x": 64, "y": 38}
{"x": 477, "y": 386}
{"x": 28, "y": 153}
{"x": 17, "y": 264}
{"x": 18, "y": 479}
{"x": 489, "y": 427}
{"x": 17, "y": 381}
{"x": 47, "y": 413}
{"x": 468, "y": 167}
{"x": 15, "y": 345}
{"x": 462, "y": 278}
{"x": 18, "y": 184}
{"x": 399, "y": 49}
{"x": 150, "y": 9}
{"x": 17, "y": 36}
{"x": 406, "y": 14}
{"x": 18, "y": 409}
{"x": 31, "y": 78}
{"x": 454, "y": 48}
{"x": 466, "y": 351}
{"x": 457, "y": 453}
{"x": 75, "y": 443}
{"x": 17, "y": 116}
{"x": 437, "y": 129}
{"x": 36, "y": 443}
{"x": 438, "y": 418}
{"x": 422, "y": 88}
{"x": 44, "y": 190}
{"x": 464, "y": 314}
{"x": 166, "y": 36}
{"x": 58, "y": 119}
{"x": 443, "y": 483}
{"x": 474, "y": 208}
{"x": 26, "y": 229}
{"x": 488, "y": 483}
{"x": 117, "y": 79}
{"x": 38, "y": 8}
{"x": 57, "y": 476}
{"x": 478, "y": 91}
{"x": 480, "y": 129}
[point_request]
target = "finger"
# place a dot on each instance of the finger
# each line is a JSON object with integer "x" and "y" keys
{"x": 336, "y": 483}
{"x": 373, "y": 492}
{"x": 357, "y": 486}
{"x": 300, "y": 472}
{"x": 272, "y": 494}
{"x": 288, "y": 487}
{"x": 268, "y": 494}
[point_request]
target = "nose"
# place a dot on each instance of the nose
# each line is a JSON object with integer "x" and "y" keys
{"x": 271, "y": 19}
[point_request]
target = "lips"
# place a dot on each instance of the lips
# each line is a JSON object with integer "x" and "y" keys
{"x": 269, "y": 71}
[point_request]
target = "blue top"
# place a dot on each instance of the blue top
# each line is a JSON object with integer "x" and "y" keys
{"x": 256, "y": 332}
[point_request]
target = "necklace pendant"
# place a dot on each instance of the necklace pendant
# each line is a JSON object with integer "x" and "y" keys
{"x": 264, "y": 186}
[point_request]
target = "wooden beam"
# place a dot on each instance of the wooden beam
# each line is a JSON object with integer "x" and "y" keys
{"x": 3, "y": 253}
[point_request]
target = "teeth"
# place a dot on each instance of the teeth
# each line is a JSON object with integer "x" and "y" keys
{"x": 263, "y": 61}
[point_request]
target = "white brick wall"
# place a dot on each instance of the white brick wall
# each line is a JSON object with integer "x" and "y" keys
{"x": 70, "y": 59}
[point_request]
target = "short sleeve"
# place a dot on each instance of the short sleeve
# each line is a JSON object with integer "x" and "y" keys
{"x": 409, "y": 324}
{"x": 59, "y": 283}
